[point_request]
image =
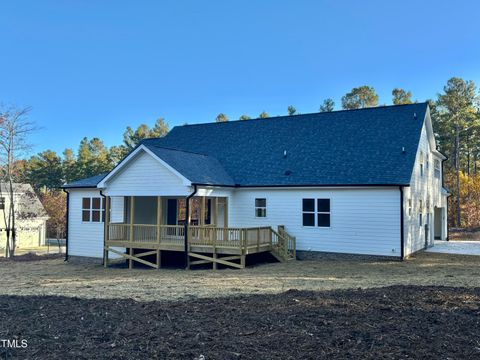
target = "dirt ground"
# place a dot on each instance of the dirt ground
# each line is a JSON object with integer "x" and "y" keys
{"x": 386, "y": 323}
{"x": 54, "y": 277}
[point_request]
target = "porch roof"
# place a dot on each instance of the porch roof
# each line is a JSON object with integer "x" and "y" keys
{"x": 198, "y": 168}
{"x": 90, "y": 182}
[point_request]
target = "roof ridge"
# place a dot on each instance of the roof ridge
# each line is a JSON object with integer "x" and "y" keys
{"x": 304, "y": 114}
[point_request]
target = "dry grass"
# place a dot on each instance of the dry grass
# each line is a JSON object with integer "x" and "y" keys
{"x": 54, "y": 277}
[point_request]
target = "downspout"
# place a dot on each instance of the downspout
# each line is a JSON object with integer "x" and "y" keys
{"x": 105, "y": 202}
{"x": 187, "y": 220}
{"x": 66, "y": 223}
{"x": 446, "y": 204}
{"x": 402, "y": 231}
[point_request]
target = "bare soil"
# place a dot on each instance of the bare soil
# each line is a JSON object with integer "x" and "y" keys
{"x": 386, "y": 323}
{"x": 55, "y": 277}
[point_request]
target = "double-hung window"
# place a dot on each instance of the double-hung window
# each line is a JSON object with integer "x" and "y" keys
{"x": 260, "y": 207}
{"x": 93, "y": 209}
{"x": 421, "y": 163}
{"x": 436, "y": 170}
{"x": 316, "y": 212}
{"x": 420, "y": 212}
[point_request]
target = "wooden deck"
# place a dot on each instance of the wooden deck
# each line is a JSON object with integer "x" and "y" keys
{"x": 206, "y": 244}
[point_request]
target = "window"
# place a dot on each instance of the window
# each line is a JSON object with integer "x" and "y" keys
{"x": 421, "y": 164}
{"x": 308, "y": 208}
{"x": 436, "y": 170}
{"x": 260, "y": 207}
{"x": 322, "y": 212}
{"x": 2, "y": 203}
{"x": 409, "y": 207}
{"x": 420, "y": 212}
{"x": 93, "y": 209}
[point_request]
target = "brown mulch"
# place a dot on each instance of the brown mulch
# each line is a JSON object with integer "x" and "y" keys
{"x": 388, "y": 323}
{"x": 33, "y": 257}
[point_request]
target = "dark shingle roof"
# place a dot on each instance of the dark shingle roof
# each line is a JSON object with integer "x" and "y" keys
{"x": 198, "y": 168}
{"x": 90, "y": 182}
{"x": 356, "y": 147}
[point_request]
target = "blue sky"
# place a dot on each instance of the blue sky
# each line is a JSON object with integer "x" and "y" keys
{"x": 90, "y": 68}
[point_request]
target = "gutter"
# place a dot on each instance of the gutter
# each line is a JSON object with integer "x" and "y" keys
{"x": 301, "y": 185}
{"x": 187, "y": 220}
{"x": 66, "y": 227}
{"x": 402, "y": 230}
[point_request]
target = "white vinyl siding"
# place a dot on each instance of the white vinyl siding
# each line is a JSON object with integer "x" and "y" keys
{"x": 146, "y": 176}
{"x": 84, "y": 238}
{"x": 363, "y": 220}
{"x": 425, "y": 190}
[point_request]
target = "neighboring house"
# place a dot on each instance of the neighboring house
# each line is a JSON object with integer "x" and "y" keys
{"x": 365, "y": 181}
{"x": 31, "y": 218}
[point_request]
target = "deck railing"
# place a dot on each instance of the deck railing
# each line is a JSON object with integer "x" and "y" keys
{"x": 244, "y": 238}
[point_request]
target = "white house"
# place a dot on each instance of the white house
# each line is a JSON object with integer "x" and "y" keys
{"x": 30, "y": 216}
{"x": 365, "y": 181}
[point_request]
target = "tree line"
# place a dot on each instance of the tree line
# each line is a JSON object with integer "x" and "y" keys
{"x": 454, "y": 111}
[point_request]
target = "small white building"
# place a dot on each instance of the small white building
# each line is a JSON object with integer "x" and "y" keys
{"x": 30, "y": 216}
{"x": 365, "y": 181}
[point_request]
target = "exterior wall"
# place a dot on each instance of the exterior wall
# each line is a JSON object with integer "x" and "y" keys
{"x": 30, "y": 232}
{"x": 363, "y": 220}
{"x": 84, "y": 238}
{"x": 427, "y": 188}
{"x": 145, "y": 176}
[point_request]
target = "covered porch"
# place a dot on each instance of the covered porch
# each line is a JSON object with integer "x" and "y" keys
{"x": 137, "y": 227}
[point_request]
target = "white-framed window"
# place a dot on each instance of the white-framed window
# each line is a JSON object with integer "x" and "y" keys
{"x": 260, "y": 207}
{"x": 308, "y": 212}
{"x": 93, "y": 209}
{"x": 436, "y": 169}
{"x": 316, "y": 212}
{"x": 409, "y": 207}
{"x": 421, "y": 160}
{"x": 420, "y": 212}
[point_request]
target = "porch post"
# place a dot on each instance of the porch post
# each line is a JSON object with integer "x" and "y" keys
{"x": 106, "y": 231}
{"x": 225, "y": 214}
{"x": 225, "y": 219}
{"x": 202, "y": 212}
{"x": 132, "y": 217}
{"x": 215, "y": 212}
{"x": 159, "y": 216}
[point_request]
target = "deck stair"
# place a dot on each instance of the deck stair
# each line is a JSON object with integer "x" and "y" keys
{"x": 283, "y": 245}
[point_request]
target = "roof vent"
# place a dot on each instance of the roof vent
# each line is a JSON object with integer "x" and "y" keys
{"x": 403, "y": 149}
{"x": 288, "y": 172}
{"x": 415, "y": 115}
{"x": 284, "y": 153}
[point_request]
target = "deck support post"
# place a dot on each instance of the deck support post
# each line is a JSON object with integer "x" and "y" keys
{"x": 105, "y": 257}
{"x": 130, "y": 261}
{"x": 159, "y": 259}
{"x": 214, "y": 263}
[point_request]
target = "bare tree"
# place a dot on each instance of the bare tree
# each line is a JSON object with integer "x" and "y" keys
{"x": 15, "y": 129}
